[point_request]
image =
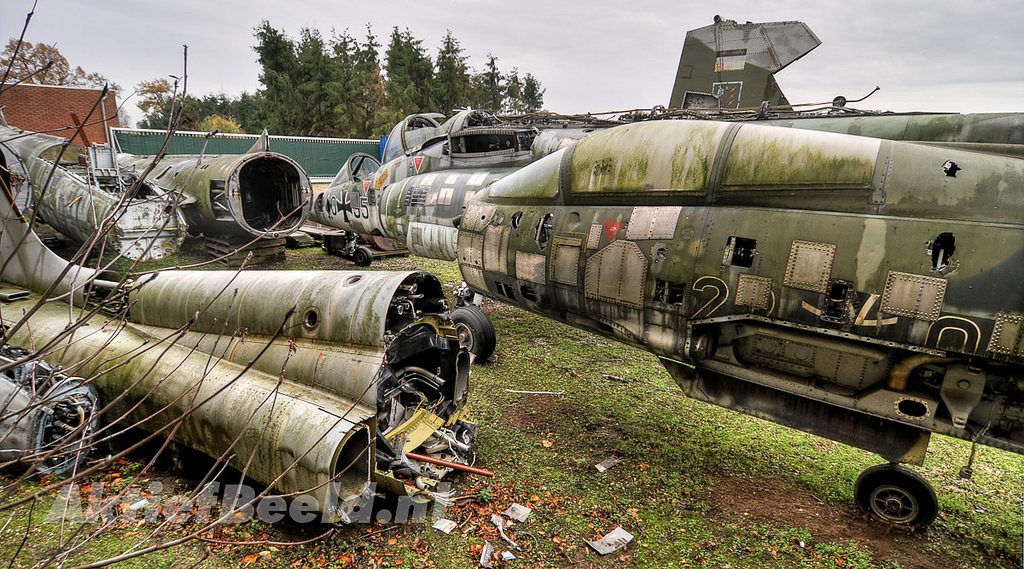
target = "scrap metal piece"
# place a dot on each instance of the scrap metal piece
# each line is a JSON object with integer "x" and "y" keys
{"x": 518, "y": 512}
{"x": 613, "y": 541}
{"x": 445, "y": 525}
{"x": 496, "y": 520}
{"x": 485, "y": 555}
{"x": 310, "y": 370}
{"x": 256, "y": 194}
{"x": 607, "y": 464}
{"x": 77, "y": 190}
{"x": 47, "y": 418}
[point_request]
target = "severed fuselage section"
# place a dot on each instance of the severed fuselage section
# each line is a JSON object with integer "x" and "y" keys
{"x": 80, "y": 191}
{"x": 315, "y": 384}
{"x": 810, "y": 278}
{"x": 256, "y": 194}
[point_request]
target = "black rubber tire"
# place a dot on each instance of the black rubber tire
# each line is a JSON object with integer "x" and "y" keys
{"x": 896, "y": 495}
{"x": 362, "y": 257}
{"x": 475, "y": 331}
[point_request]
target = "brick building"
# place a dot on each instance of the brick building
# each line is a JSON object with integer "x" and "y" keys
{"x": 58, "y": 110}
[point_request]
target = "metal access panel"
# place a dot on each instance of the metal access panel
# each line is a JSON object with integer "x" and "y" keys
{"x": 728, "y": 93}
{"x": 617, "y": 273}
{"x": 754, "y": 291}
{"x": 653, "y": 222}
{"x": 565, "y": 260}
{"x": 1006, "y": 336}
{"x": 913, "y": 296}
{"x": 810, "y": 265}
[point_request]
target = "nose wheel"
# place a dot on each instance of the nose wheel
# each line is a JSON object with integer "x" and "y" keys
{"x": 896, "y": 495}
{"x": 362, "y": 257}
{"x": 476, "y": 333}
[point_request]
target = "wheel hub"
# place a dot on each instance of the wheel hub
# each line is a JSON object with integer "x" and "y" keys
{"x": 465, "y": 336}
{"x": 894, "y": 504}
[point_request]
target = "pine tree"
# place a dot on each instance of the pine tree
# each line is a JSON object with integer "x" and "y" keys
{"x": 410, "y": 76}
{"x": 277, "y": 58}
{"x": 533, "y": 94}
{"x": 489, "y": 88}
{"x": 513, "y": 102}
{"x": 451, "y": 84}
{"x": 371, "y": 87}
{"x": 315, "y": 86}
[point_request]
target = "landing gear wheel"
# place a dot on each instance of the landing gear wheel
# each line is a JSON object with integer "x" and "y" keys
{"x": 362, "y": 257}
{"x": 475, "y": 331}
{"x": 896, "y": 495}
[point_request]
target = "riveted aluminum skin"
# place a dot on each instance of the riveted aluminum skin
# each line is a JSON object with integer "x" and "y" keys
{"x": 334, "y": 340}
{"x": 299, "y": 438}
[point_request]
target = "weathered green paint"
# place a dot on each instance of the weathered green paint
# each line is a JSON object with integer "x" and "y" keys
{"x": 759, "y": 159}
{"x": 996, "y": 133}
{"x": 417, "y": 196}
{"x": 262, "y": 194}
{"x": 813, "y": 219}
{"x": 142, "y": 373}
{"x": 599, "y": 164}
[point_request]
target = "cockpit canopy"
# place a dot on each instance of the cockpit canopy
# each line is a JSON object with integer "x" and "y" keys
{"x": 411, "y": 133}
{"x": 359, "y": 167}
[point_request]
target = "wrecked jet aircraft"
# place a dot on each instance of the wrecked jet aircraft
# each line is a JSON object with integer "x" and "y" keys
{"x": 826, "y": 282}
{"x": 256, "y": 194}
{"x": 76, "y": 189}
{"x": 443, "y": 164}
{"x": 314, "y": 383}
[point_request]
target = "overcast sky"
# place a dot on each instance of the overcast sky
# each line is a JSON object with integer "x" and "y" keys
{"x": 590, "y": 56}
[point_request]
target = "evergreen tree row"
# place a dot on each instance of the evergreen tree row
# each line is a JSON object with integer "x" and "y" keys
{"x": 340, "y": 87}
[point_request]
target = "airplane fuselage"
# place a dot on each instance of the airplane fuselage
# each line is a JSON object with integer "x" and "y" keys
{"x": 776, "y": 270}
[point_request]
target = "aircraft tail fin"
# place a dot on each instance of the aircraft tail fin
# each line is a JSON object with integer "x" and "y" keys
{"x": 730, "y": 66}
{"x": 262, "y": 145}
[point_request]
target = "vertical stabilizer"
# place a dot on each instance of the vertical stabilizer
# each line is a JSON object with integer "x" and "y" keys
{"x": 262, "y": 144}
{"x": 730, "y": 66}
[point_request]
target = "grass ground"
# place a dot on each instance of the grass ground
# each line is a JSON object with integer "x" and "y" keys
{"x": 698, "y": 486}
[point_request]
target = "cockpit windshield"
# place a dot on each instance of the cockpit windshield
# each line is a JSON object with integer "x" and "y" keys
{"x": 413, "y": 131}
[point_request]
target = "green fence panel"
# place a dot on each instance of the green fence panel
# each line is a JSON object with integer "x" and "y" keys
{"x": 319, "y": 157}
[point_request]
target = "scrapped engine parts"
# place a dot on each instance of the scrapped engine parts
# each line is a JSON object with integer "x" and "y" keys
{"x": 47, "y": 418}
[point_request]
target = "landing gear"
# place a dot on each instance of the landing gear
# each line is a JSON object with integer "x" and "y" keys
{"x": 362, "y": 256}
{"x": 347, "y": 244}
{"x": 475, "y": 331}
{"x": 896, "y": 495}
